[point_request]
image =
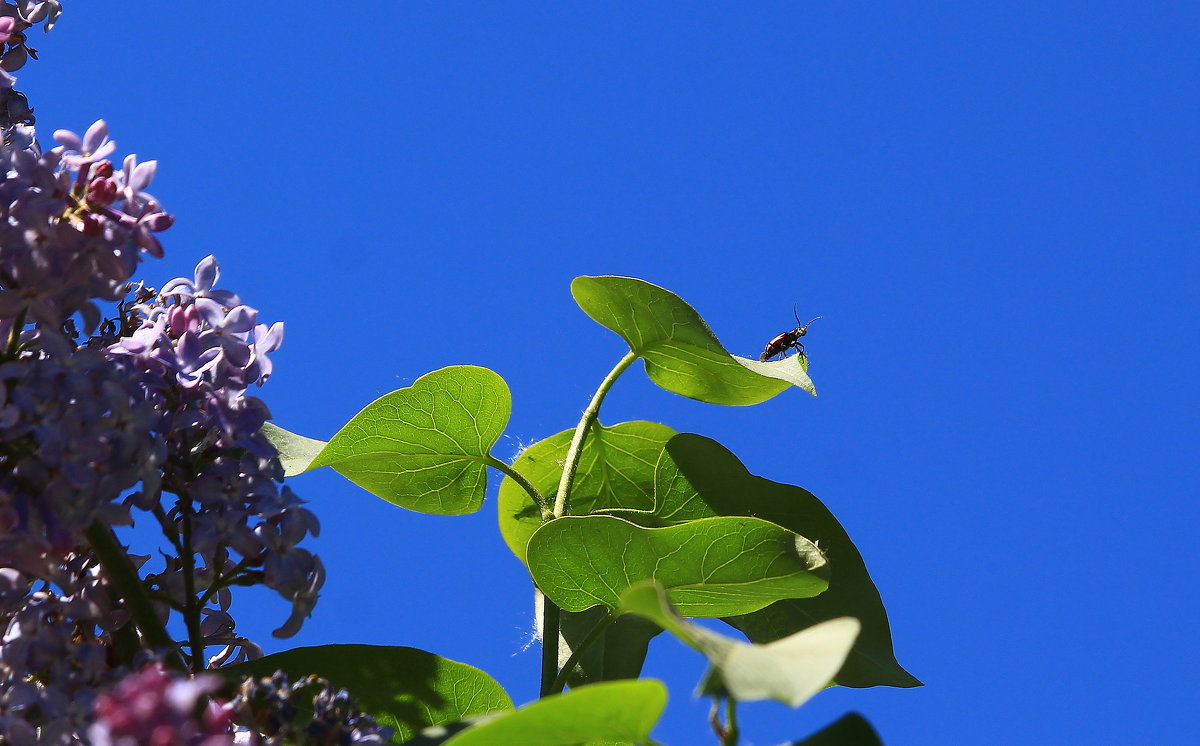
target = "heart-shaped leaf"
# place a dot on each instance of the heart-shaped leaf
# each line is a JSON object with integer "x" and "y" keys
{"x": 699, "y": 478}
{"x": 613, "y": 712}
{"x": 681, "y": 353}
{"x": 405, "y": 688}
{"x": 711, "y": 567}
{"x": 790, "y": 670}
{"x": 616, "y": 469}
{"x": 425, "y": 447}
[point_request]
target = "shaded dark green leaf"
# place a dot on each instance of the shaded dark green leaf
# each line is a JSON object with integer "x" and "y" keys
{"x": 699, "y": 478}
{"x": 618, "y": 653}
{"x": 849, "y": 730}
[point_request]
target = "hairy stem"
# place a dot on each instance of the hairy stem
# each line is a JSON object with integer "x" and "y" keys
{"x": 550, "y": 611}
{"x": 585, "y": 422}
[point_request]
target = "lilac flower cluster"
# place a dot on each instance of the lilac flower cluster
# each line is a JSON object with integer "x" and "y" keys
{"x": 144, "y": 414}
{"x": 54, "y": 653}
{"x": 199, "y": 348}
{"x": 71, "y": 230}
{"x": 268, "y": 707}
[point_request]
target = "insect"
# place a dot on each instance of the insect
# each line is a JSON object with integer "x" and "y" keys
{"x": 779, "y": 346}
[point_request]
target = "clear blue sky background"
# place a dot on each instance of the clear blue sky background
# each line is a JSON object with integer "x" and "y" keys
{"x": 992, "y": 204}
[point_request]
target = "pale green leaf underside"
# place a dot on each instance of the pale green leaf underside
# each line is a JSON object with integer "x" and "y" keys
{"x": 711, "y": 567}
{"x": 405, "y": 688}
{"x": 681, "y": 353}
{"x": 296, "y": 452}
{"x": 790, "y": 670}
{"x": 618, "y": 711}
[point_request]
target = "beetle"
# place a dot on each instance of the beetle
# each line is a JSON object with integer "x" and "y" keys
{"x": 779, "y": 346}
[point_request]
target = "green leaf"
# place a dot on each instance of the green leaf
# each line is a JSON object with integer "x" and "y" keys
{"x": 699, "y": 478}
{"x": 711, "y": 567}
{"x": 425, "y": 447}
{"x": 616, "y": 711}
{"x": 618, "y": 653}
{"x": 790, "y": 670}
{"x": 405, "y": 688}
{"x": 681, "y": 353}
{"x": 296, "y": 452}
{"x": 616, "y": 469}
{"x": 849, "y": 730}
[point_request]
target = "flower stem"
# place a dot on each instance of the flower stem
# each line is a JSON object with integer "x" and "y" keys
{"x": 125, "y": 577}
{"x": 191, "y": 612}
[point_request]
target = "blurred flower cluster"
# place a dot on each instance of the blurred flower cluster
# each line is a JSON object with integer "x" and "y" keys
{"x": 267, "y": 709}
{"x": 118, "y": 404}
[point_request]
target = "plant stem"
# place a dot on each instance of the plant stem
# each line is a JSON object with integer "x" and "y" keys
{"x": 593, "y": 634}
{"x": 731, "y": 726}
{"x": 585, "y": 422}
{"x": 550, "y": 611}
{"x": 124, "y": 576}
{"x": 524, "y": 483}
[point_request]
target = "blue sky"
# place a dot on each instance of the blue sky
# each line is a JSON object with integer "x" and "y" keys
{"x": 993, "y": 207}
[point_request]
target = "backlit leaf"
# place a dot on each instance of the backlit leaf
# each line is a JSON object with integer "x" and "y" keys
{"x": 681, "y": 353}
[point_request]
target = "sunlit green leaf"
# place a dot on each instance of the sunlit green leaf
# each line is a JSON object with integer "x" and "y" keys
{"x": 616, "y": 469}
{"x": 699, "y": 478}
{"x": 711, "y": 567}
{"x": 405, "y": 688}
{"x": 424, "y": 447}
{"x": 849, "y": 730}
{"x": 790, "y": 670}
{"x": 616, "y": 711}
{"x": 681, "y": 353}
